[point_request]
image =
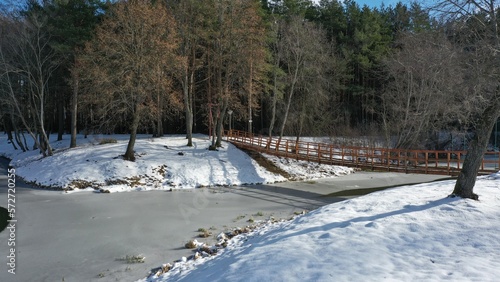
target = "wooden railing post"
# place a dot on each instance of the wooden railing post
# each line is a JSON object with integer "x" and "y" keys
{"x": 498, "y": 157}
{"x": 406, "y": 161}
{"x": 308, "y": 151}
{"x": 295, "y": 149}
{"x": 286, "y": 148}
{"x": 331, "y": 153}
{"x": 342, "y": 155}
{"x": 358, "y": 156}
{"x": 482, "y": 162}
{"x": 448, "y": 162}
{"x": 426, "y": 162}
{"x": 374, "y": 155}
{"x": 319, "y": 153}
{"x": 388, "y": 153}
{"x": 436, "y": 161}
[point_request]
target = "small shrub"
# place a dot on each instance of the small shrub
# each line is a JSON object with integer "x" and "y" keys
{"x": 201, "y": 229}
{"x": 164, "y": 269}
{"x": 115, "y": 182}
{"x": 107, "y": 141}
{"x": 134, "y": 181}
{"x": 161, "y": 170}
{"x": 205, "y": 234}
{"x": 133, "y": 259}
{"x": 300, "y": 213}
{"x": 190, "y": 245}
{"x": 240, "y": 217}
{"x": 259, "y": 214}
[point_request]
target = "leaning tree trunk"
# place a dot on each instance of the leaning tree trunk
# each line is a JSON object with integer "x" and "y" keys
{"x": 17, "y": 137}
{"x": 129, "y": 154}
{"x": 289, "y": 102}
{"x": 467, "y": 177}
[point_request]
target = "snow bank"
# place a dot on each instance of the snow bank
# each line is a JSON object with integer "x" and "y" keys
{"x": 401, "y": 234}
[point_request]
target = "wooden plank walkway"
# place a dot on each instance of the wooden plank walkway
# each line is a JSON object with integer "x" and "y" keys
{"x": 377, "y": 159}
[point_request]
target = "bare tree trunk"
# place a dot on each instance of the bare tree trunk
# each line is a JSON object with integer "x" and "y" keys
{"x": 60, "y": 118}
{"x": 17, "y": 138}
{"x": 467, "y": 177}
{"x": 277, "y": 49}
{"x": 273, "y": 104}
{"x": 289, "y": 102}
{"x": 250, "y": 121}
{"x": 47, "y": 150}
{"x": 301, "y": 124}
{"x": 159, "y": 116}
{"x": 74, "y": 109}
{"x": 19, "y": 142}
{"x": 220, "y": 126}
{"x": 23, "y": 120}
{"x": 188, "y": 110}
{"x": 9, "y": 124}
{"x": 189, "y": 127}
{"x": 129, "y": 154}
{"x": 15, "y": 105}
{"x": 159, "y": 103}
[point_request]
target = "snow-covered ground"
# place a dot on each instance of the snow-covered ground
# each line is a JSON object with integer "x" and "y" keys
{"x": 161, "y": 163}
{"x": 302, "y": 170}
{"x": 406, "y": 233}
{"x": 409, "y": 233}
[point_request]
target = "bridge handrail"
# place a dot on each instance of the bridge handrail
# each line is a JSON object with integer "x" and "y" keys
{"x": 422, "y": 161}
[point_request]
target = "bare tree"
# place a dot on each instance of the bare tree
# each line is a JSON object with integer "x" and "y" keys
{"x": 277, "y": 74}
{"x": 253, "y": 60}
{"x": 235, "y": 55}
{"x": 475, "y": 29}
{"x": 125, "y": 66}
{"x": 27, "y": 62}
{"x": 75, "y": 81}
{"x": 192, "y": 18}
{"x": 424, "y": 91}
{"x": 306, "y": 61}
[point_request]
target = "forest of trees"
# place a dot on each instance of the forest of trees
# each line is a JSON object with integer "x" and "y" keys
{"x": 404, "y": 74}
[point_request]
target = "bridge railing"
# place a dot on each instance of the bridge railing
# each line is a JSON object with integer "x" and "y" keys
{"x": 409, "y": 161}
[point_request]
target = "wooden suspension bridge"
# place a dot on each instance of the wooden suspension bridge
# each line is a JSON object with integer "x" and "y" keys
{"x": 376, "y": 159}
